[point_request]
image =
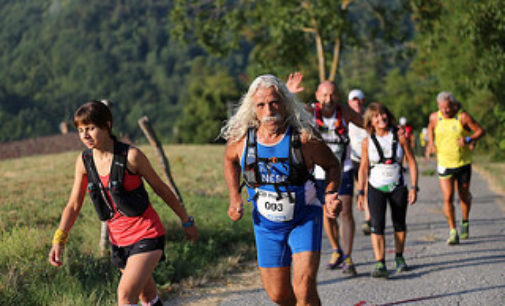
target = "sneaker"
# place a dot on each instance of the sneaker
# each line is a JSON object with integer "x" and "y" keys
{"x": 400, "y": 264}
{"x": 348, "y": 267}
{"x": 337, "y": 257}
{"x": 379, "y": 270}
{"x": 464, "y": 230}
{"x": 366, "y": 228}
{"x": 453, "y": 237}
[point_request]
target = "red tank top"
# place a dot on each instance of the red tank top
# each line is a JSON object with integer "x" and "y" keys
{"x": 123, "y": 230}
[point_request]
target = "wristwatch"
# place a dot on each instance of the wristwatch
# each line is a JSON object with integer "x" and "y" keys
{"x": 190, "y": 222}
{"x": 416, "y": 188}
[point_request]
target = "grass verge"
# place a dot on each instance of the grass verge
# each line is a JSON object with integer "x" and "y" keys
{"x": 33, "y": 192}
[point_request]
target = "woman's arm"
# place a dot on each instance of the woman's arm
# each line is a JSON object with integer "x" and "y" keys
{"x": 362, "y": 174}
{"x": 138, "y": 163}
{"x": 412, "y": 168}
{"x": 70, "y": 212}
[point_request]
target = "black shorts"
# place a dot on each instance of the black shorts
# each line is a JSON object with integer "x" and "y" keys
{"x": 461, "y": 174}
{"x": 120, "y": 254}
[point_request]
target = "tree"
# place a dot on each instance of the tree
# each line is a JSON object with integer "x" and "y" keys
{"x": 210, "y": 92}
{"x": 281, "y": 32}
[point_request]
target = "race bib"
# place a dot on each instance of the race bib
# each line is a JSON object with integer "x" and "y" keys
{"x": 441, "y": 169}
{"x": 385, "y": 177}
{"x": 281, "y": 210}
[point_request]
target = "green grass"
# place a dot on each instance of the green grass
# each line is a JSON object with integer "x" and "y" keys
{"x": 33, "y": 193}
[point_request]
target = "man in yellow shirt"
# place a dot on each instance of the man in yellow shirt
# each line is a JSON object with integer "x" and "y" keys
{"x": 452, "y": 134}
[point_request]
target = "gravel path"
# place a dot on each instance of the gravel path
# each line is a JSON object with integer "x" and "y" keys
{"x": 471, "y": 273}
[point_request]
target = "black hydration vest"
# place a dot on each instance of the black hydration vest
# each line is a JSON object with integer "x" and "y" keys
{"x": 128, "y": 203}
{"x": 393, "y": 158}
{"x": 298, "y": 173}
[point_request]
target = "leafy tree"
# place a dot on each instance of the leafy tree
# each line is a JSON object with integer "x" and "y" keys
{"x": 211, "y": 91}
{"x": 280, "y": 31}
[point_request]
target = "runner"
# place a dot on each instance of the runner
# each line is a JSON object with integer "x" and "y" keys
{"x": 271, "y": 141}
{"x": 454, "y": 133}
{"x": 331, "y": 119}
{"x": 381, "y": 165}
{"x": 112, "y": 173}
{"x": 356, "y": 134}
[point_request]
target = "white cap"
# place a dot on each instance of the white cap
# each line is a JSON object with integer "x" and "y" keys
{"x": 403, "y": 121}
{"x": 356, "y": 93}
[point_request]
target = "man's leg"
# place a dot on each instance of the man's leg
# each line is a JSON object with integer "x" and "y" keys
{"x": 465, "y": 199}
{"x": 277, "y": 284}
{"x": 447, "y": 187}
{"x": 331, "y": 229}
{"x": 347, "y": 225}
{"x": 305, "y": 265}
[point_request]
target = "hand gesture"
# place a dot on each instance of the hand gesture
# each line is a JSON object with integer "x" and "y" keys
{"x": 332, "y": 205}
{"x": 236, "y": 211}
{"x": 294, "y": 81}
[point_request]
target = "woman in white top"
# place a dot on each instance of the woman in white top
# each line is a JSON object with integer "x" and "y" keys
{"x": 381, "y": 158}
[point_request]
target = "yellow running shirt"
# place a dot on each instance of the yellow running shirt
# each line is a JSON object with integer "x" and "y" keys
{"x": 447, "y": 133}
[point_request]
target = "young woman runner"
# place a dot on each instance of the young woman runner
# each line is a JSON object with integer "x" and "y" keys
{"x": 112, "y": 173}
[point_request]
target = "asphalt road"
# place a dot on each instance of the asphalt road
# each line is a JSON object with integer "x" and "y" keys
{"x": 471, "y": 273}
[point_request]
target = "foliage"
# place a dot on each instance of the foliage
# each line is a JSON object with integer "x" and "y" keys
{"x": 211, "y": 92}
{"x": 58, "y": 54}
{"x": 285, "y": 35}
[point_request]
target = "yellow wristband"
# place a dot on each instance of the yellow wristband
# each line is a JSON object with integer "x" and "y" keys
{"x": 60, "y": 237}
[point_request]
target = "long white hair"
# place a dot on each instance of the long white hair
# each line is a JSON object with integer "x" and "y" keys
{"x": 297, "y": 116}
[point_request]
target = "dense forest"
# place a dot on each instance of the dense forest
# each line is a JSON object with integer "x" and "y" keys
{"x": 185, "y": 63}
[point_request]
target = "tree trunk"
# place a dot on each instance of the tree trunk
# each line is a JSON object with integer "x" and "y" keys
{"x": 145, "y": 125}
{"x": 104, "y": 240}
{"x": 335, "y": 61}
{"x": 338, "y": 44}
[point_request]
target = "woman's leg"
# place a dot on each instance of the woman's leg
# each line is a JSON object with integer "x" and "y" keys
{"x": 136, "y": 276}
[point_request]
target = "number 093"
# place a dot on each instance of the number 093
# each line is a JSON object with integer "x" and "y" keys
{"x": 273, "y": 206}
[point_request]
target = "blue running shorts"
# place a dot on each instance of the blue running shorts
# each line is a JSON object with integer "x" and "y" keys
{"x": 275, "y": 246}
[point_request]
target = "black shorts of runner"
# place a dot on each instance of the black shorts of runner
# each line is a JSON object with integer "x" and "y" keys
{"x": 377, "y": 204}
{"x": 120, "y": 254}
{"x": 462, "y": 174}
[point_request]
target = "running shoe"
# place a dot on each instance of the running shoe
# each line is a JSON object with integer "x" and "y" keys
{"x": 464, "y": 230}
{"x": 453, "y": 237}
{"x": 366, "y": 228}
{"x": 379, "y": 270}
{"x": 400, "y": 264}
{"x": 348, "y": 267}
{"x": 337, "y": 257}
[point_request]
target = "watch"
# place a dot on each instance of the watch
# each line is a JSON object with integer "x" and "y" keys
{"x": 190, "y": 222}
{"x": 416, "y": 188}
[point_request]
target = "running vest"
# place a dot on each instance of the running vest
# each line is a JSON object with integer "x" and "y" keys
{"x": 386, "y": 173}
{"x": 447, "y": 133}
{"x": 128, "y": 203}
{"x": 276, "y": 177}
{"x": 335, "y": 136}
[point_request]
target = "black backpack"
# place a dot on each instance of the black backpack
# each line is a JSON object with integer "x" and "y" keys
{"x": 128, "y": 203}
